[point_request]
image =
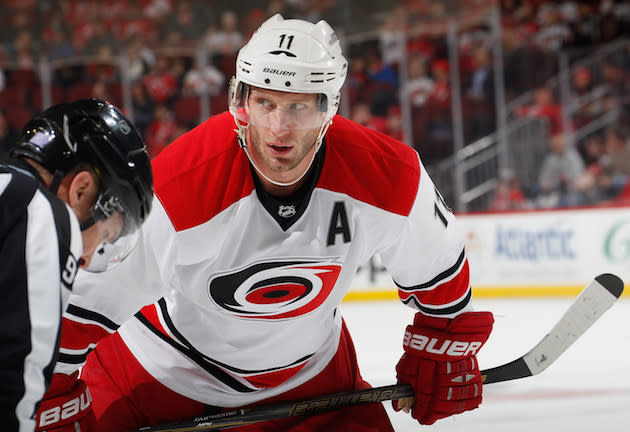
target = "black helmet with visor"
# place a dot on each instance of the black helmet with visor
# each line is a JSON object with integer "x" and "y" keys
{"x": 94, "y": 132}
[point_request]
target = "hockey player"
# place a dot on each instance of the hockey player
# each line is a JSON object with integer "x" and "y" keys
{"x": 262, "y": 216}
{"x": 78, "y": 177}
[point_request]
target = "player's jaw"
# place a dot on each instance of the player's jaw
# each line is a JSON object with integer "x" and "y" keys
{"x": 283, "y": 157}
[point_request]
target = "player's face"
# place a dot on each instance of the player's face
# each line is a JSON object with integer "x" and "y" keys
{"x": 282, "y": 131}
{"x": 101, "y": 232}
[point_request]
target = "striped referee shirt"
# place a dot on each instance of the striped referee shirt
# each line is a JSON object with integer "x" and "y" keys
{"x": 40, "y": 241}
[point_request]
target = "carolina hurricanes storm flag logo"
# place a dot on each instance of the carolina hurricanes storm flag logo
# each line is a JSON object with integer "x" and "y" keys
{"x": 275, "y": 289}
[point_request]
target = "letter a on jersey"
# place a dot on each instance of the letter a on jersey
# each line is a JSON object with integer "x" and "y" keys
{"x": 338, "y": 224}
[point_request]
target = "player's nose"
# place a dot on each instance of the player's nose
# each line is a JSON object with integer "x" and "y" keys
{"x": 279, "y": 122}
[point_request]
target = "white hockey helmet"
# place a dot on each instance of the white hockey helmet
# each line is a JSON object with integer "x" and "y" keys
{"x": 291, "y": 56}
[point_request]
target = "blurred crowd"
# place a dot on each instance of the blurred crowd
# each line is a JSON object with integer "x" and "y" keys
{"x": 400, "y": 59}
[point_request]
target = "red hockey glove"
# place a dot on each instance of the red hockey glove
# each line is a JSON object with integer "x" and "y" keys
{"x": 66, "y": 407}
{"x": 440, "y": 364}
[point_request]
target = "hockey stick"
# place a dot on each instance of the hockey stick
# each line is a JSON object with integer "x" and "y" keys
{"x": 595, "y": 299}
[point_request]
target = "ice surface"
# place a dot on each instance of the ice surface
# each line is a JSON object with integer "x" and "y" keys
{"x": 586, "y": 389}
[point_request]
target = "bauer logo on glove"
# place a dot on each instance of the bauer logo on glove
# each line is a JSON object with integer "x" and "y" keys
{"x": 451, "y": 348}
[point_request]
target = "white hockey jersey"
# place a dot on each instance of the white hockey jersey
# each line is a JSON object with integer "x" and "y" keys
{"x": 251, "y": 284}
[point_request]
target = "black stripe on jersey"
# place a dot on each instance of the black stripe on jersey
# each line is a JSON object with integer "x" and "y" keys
{"x": 74, "y": 359}
{"x": 91, "y": 316}
{"x": 15, "y": 328}
{"x": 442, "y": 311}
{"x": 436, "y": 280}
{"x": 213, "y": 370}
{"x": 62, "y": 223}
{"x": 182, "y": 339}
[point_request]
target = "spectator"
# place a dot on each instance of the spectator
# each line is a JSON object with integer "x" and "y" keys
{"x": 99, "y": 37}
{"x": 439, "y": 127}
{"x": 59, "y": 46}
{"x": 562, "y": 178}
{"x": 479, "y": 97}
{"x": 23, "y": 56}
{"x": 552, "y": 33}
{"x": 362, "y": 114}
{"x": 160, "y": 132}
{"x": 114, "y": 11}
{"x": 104, "y": 66}
{"x": 20, "y": 21}
{"x": 358, "y": 81}
{"x": 481, "y": 87}
{"x": 85, "y": 29}
{"x": 136, "y": 23}
{"x": 392, "y": 37}
{"x": 8, "y": 136}
{"x": 160, "y": 82}
{"x": 203, "y": 79}
{"x": 419, "y": 85}
{"x": 179, "y": 67}
{"x": 508, "y": 194}
{"x": 585, "y": 28}
{"x": 183, "y": 21}
{"x": 156, "y": 9}
{"x": 543, "y": 106}
{"x": 143, "y": 106}
{"x": 618, "y": 87}
{"x": 441, "y": 94}
{"x": 140, "y": 57}
{"x": 381, "y": 72}
{"x": 586, "y": 98}
{"x": 228, "y": 39}
{"x": 256, "y": 16}
{"x": 99, "y": 91}
{"x": 592, "y": 151}
{"x": 394, "y": 123}
{"x": 615, "y": 162}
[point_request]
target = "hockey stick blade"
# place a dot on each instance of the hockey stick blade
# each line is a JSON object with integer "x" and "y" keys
{"x": 595, "y": 299}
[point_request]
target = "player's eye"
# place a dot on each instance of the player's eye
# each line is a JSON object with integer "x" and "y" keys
{"x": 264, "y": 103}
{"x": 297, "y": 107}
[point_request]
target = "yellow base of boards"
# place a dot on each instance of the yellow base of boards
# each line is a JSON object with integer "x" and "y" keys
{"x": 484, "y": 292}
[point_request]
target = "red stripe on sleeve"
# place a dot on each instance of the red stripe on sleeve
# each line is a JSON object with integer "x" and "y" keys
{"x": 273, "y": 379}
{"x": 78, "y": 336}
{"x": 150, "y": 312}
{"x": 443, "y": 293}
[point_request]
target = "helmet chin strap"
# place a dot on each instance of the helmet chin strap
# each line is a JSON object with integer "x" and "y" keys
{"x": 259, "y": 171}
{"x": 56, "y": 181}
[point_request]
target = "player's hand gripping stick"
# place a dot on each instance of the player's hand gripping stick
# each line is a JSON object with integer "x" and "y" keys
{"x": 441, "y": 365}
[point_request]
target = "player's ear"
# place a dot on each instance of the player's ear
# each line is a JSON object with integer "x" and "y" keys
{"x": 82, "y": 193}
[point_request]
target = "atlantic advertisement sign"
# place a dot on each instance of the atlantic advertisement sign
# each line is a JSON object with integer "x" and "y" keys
{"x": 564, "y": 247}
{"x": 549, "y": 250}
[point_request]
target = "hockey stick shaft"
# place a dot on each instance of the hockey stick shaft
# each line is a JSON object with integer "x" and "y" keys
{"x": 596, "y": 298}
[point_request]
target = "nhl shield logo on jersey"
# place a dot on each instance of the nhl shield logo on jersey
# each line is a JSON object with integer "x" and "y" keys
{"x": 275, "y": 289}
{"x": 286, "y": 211}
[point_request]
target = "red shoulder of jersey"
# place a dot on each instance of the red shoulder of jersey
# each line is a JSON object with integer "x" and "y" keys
{"x": 370, "y": 167}
{"x": 202, "y": 173}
